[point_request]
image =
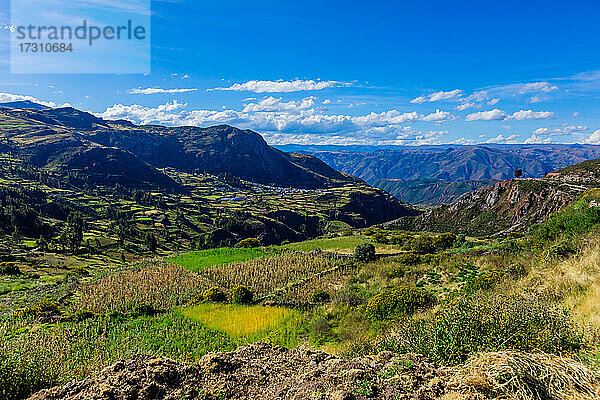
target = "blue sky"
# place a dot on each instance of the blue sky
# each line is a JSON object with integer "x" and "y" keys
{"x": 350, "y": 72}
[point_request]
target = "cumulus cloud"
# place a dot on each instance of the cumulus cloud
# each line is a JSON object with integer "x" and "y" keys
{"x": 464, "y": 106}
{"x": 438, "y": 116}
{"x": 437, "y": 96}
{"x": 501, "y": 139}
{"x": 535, "y": 139}
{"x": 528, "y": 114}
{"x": 8, "y": 97}
{"x": 281, "y": 86}
{"x": 562, "y": 130}
{"x": 272, "y": 104}
{"x": 159, "y": 90}
{"x": 272, "y": 116}
{"x": 492, "y": 115}
{"x": 499, "y": 115}
{"x": 594, "y": 138}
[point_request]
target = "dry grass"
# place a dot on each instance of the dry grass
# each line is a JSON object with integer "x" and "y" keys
{"x": 160, "y": 284}
{"x": 266, "y": 274}
{"x": 575, "y": 281}
{"x": 526, "y": 376}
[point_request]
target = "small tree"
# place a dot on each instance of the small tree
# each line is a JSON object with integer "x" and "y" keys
{"x": 364, "y": 252}
{"x": 242, "y": 295}
{"x": 518, "y": 173}
{"x": 249, "y": 243}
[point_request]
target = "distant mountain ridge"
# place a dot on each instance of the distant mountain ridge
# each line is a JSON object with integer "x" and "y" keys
{"x": 458, "y": 163}
{"x": 53, "y": 137}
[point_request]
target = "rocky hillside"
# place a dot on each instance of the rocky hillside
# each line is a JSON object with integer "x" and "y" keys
{"x": 511, "y": 205}
{"x": 262, "y": 371}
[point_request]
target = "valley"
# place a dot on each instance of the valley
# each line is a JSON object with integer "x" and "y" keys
{"x": 143, "y": 246}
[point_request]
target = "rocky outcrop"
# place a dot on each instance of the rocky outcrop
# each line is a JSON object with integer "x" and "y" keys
{"x": 261, "y": 371}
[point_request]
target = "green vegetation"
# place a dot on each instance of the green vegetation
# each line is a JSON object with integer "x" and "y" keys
{"x": 240, "y": 321}
{"x": 69, "y": 311}
{"x": 197, "y": 260}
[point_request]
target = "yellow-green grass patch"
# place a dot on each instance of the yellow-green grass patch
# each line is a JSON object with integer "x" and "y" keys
{"x": 239, "y": 321}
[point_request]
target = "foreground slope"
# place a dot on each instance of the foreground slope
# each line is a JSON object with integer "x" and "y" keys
{"x": 262, "y": 371}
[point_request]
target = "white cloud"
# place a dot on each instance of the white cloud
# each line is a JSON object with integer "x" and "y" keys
{"x": 535, "y": 139}
{"x": 493, "y": 102}
{"x": 464, "y": 106}
{"x": 8, "y": 97}
{"x": 281, "y": 86}
{"x": 499, "y": 115}
{"x": 438, "y": 116}
{"x": 437, "y": 96}
{"x": 594, "y": 138}
{"x": 463, "y": 141}
{"x": 562, "y": 130}
{"x": 159, "y": 90}
{"x": 326, "y": 101}
{"x": 543, "y": 87}
{"x": 271, "y": 104}
{"x": 501, "y": 139}
{"x": 492, "y": 115}
{"x": 528, "y": 114}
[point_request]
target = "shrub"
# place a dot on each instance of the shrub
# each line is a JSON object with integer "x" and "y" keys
{"x": 398, "y": 300}
{"x": 563, "y": 248}
{"x": 486, "y": 324}
{"x": 249, "y": 243}
{"x": 9, "y": 268}
{"x": 484, "y": 281}
{"x": 444, "y": 241}
{"x": 242, "y": 295}
{"x": 43, "y": 307}
{"x": 79, "y": 271}
{"x": 320, "y": 296}
{"x": 145, "y": 310}
{"x": 81, "y": 315}
{"x": 408, "y": 259}
{"x": 400, "y": 239}
{"x": 422, "y": 245}
{"x": 215, "y": 295}
{"x": 364, "y": 252}
{"x": 380, "y": 237}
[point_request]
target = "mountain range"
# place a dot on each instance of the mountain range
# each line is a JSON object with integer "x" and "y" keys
{"x": 430, "y": 171}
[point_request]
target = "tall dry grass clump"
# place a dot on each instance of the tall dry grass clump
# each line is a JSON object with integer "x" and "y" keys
{"x": 527, "y": 376}
{"x": 266, "y": 274}
{"x": 155, "y": 283}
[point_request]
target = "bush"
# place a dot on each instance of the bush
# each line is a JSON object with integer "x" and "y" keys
{"x": 145, "y": 310}
{"x": 242, "y": 295}
{"x": 397, "y": 301}
{"x": 400, "y": 239}
{"x": 44, "y": 307}
{"x": 444, "y": 241}
{"x": 486, "y": 324}
{"x": 249, "y": 243}
{"x": 320, "y": 296}
{"x": 380, "y": 237}
{"x": 483, "y": 282}
{"x": 408, "y": 259}
{"x": 9, "y": 268}
{"x": 215, "y": 295}
{"x": 364, "y": 252}
{"x": 422, "y": 245}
